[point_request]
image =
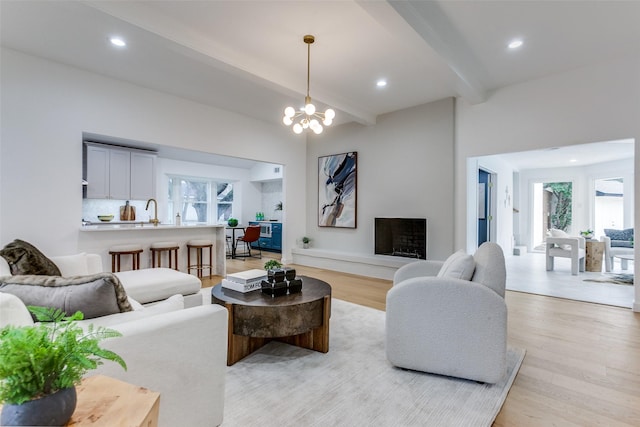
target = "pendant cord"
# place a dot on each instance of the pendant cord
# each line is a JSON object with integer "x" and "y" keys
{"x": 308, "y": 66}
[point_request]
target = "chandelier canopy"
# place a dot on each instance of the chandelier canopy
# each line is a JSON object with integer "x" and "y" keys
{"x": 307, "y": 118}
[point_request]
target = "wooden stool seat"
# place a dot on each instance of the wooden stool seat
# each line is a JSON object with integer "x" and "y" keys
{"x": 117, "y": 251}
{"x": 199, "y": 245}
{"x": 157, "y": 250}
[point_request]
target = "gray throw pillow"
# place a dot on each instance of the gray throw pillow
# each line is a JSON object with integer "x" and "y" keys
{"x": 94, "y": 295}
{"x": 24, "y": 258}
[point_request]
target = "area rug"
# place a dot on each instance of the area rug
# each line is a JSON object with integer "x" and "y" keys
{"x": 354, "y": 384}
{"x": 618, "y": 279}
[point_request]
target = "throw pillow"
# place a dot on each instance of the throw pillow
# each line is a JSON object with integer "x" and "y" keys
{"x": 459, "y": 265}
{"x": 24, "y": 258}
{"x": 620, "y": 238}
{"x": 560, "y": 233}
{"x": 96, "y": 295}
{"x": 13, "y": 311}
{"x": 72, "y": 265}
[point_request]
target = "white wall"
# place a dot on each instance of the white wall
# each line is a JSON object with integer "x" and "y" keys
{"x": 405, "y": 169}
{"x": 594, "y": 104}
{"x": 45, "y": 107}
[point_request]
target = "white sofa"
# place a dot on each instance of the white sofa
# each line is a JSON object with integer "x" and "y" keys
{"x": 450, "y": 318}
{"x": 147, "y": 285}
{"x": 180, "y": 353}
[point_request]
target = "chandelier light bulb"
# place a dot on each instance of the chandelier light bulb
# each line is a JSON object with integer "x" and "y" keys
{"x": 287, "y": 120}
{"x": 314, "y": 123}
{"x": 329, "y": 114}
{"x": 309, "y": 109}
{"x": 318, "y": 129}
{"x": 289, "y": 112}
{"x": 327, "y": 122}
{"x": 297, "y": 128}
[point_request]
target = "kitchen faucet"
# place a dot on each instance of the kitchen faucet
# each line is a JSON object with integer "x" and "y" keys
{"x": 155, "y": 221}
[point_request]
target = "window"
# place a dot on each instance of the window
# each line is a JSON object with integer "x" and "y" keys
{"x": 609, "y": 204}
{"x": 192, "y": 198}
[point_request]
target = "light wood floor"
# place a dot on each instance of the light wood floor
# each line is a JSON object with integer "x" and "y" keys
{"x": 582, "y": 366}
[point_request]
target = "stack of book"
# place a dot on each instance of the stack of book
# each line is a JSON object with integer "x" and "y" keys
{"x": 245, "y": 281}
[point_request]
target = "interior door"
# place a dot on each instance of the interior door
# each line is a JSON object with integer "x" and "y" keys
{"x": 484, "y": 208}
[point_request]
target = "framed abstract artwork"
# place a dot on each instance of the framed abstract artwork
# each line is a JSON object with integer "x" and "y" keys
{"x": 337, "y": 190}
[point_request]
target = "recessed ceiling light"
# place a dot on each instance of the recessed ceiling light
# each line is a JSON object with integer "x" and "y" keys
{"x": 573, "y": 160}
{"x": 381, "y": 83}
{"x": 514, "y": 44}
{"x": 117, "y": 41}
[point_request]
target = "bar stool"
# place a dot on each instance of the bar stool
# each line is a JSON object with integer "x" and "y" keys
{"x": 160, "y": 247}
{"x": 117, "y": 251}
{"x": 199, "y": 245}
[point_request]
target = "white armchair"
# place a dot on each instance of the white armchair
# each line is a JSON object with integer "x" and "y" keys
{"x": 566, "y": 247}
{"x": 446, "y": 324}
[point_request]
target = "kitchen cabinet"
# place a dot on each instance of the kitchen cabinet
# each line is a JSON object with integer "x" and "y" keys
{"x": 272, "y": 242}
{"x": 118, "y": 173}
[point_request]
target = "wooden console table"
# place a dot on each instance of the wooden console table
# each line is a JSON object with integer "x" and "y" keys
{"x": 105, "y": 401}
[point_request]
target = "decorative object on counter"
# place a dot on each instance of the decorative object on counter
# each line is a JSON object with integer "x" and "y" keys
{"x": 42, "y": 363}
{"x": 127, "y": 212}
{"x": 305, "y": 242}
{"x": 232, "y": 222}
{"x": 259, "y": 216}
{"x": 587, "y": 234}
{"x": 178, "y": 219}
{"x": 281, "y": 281}
{"x": 105, "y": 218}
{"x": 245, "y": 281}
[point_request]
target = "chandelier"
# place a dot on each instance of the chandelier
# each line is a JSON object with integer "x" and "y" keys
{"x": 307, "y": 117}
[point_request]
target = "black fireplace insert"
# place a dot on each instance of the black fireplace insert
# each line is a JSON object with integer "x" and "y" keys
{"x": 405, "y": 237}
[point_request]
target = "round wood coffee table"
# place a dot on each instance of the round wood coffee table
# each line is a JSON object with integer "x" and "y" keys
{"x": 300, "y": 319}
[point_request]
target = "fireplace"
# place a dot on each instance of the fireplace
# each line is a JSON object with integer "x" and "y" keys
{"x": 405, "y": 237}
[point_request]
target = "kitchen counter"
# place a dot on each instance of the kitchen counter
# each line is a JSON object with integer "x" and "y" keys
{"x": 99, "y": 237}
{"x": 137, "y": 225}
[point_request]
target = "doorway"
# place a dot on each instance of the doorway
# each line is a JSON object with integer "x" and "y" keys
{"x": 552, "y": 209}
{"x": 485, "y": 185}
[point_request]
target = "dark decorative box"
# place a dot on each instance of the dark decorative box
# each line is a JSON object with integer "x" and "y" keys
{"x": 281, "y": 281}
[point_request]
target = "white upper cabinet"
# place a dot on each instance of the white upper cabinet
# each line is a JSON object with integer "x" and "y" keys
{"x": 116, "y": 173}
{"x": 143, "y": 172}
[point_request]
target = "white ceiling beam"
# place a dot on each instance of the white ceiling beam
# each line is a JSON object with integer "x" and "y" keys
{"x": 428, "y": 20}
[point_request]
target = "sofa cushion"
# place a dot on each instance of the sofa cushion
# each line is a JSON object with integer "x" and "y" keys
{"x": 72, "y": 265}
{"x": 95, "y": 295}
{"x": 560, "y": 233}
{"x": 156, "y": 284}
{"x": 13, "y": 311}
{"x": 173, "y": 303}
{"x": 24, "y": 258}
{"x": 459, "y": 265}
{"x": 620, "y": 238}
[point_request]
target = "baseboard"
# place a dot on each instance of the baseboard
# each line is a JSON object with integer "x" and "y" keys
{"x": 378, "y": 266}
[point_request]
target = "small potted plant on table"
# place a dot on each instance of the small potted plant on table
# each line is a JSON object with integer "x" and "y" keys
{"x": 305, "y": 242}
{"x": 41, "y": 364}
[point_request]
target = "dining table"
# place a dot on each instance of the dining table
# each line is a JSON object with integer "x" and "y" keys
{"x": 233, "y": 238}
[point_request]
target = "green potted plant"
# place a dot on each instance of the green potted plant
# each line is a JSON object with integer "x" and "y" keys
{"x": 232, "y": 222}
{"x": 305, "y": 242}
{"x": 272, "y": 264}
{"x": 42, "y": 363}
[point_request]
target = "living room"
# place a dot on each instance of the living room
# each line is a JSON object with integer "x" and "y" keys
{"x": 412, "y": 162}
